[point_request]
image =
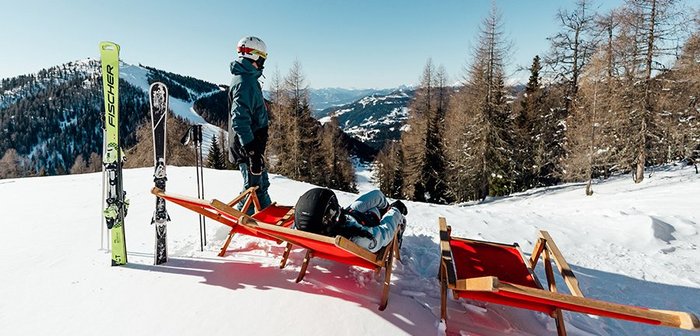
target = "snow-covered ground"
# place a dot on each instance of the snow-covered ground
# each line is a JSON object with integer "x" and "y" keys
{"x": 627, "y": 243}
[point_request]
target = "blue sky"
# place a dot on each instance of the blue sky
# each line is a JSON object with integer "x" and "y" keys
{"x": 359, "y": 43}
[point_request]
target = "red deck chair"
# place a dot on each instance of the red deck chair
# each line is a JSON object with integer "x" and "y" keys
{"x": 499, "y": 273}
{"x": 274, "y": 222}
{"x": 337, "y": 248}
{"x": 273, "y": 214}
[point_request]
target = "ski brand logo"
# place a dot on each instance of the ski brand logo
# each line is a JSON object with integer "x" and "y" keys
{"x": 111, "y": 106}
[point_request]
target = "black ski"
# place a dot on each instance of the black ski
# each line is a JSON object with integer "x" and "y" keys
{"x": 158, "y": 94}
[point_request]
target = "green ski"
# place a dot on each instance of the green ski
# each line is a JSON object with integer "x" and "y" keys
{"x": 117, "y": 204}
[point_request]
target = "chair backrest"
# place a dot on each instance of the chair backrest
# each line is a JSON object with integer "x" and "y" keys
{"x": 474, "y": 259}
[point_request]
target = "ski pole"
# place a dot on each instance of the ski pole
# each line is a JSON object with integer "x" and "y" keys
{"x": 201, "y": 168}
{"x": 197, "y": 159}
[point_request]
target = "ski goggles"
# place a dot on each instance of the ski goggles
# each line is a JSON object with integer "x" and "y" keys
{"x": 251, "y": 51}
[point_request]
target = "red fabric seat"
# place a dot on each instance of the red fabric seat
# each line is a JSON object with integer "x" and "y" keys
{"x": 474, "y": 259}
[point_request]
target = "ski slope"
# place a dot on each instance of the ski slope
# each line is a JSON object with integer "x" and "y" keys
{"x": 634, "y": 244}
{"x": 138, "y": 77}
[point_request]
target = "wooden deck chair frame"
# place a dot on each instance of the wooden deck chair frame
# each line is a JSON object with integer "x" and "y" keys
{"x": 207, "y": 208}
{"x": 356, "y": 255}
{"x": 548, "y": 250}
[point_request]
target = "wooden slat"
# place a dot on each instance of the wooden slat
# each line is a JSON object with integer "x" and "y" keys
{"x": 551, "y": 283}
{"x": 666, "y": 318}
{"x": 443, "y": 292}
{"x": 285, "y": 255}
{"x": 446, "y": 252}
{"x": 225, "y": 208}
{"x": 286, "y": 217}
{"x": 387, "y": 275}
{"x": 562, "y": 265}
{"x": 241, "y": 196}
{"x": 307, "y": 259}
{"x": 256, "y": 201}
{"x": 222, "y": 252}
{"x": 349, "y": 246}
{"x": 247, "y": 204}
{"x": 199, "y": 209}
{"x": 536, "y": 251}
{"x": 688, "y": 321}
{"x": 172, "y": 197}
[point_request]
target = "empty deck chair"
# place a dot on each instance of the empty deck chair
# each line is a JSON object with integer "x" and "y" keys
{"x": 499, "y": 273}
{"x": 274, "y": 214}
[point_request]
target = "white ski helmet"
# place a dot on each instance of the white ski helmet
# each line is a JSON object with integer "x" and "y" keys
{"x": 251, "y": 47}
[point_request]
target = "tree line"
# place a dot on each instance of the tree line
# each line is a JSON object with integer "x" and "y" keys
{"x": 616, "y": 93}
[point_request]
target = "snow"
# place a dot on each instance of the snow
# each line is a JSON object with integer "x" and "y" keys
{"x": 628, "y": 243}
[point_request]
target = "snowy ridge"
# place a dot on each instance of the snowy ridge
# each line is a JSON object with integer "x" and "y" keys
{"x": 373, "y": 119}
{"x": 634, "y": 244}
{"x": 85, "y": 69}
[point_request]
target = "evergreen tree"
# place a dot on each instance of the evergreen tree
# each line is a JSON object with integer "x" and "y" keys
{"x": 480, "y": 126}
{"x": 339, "y": 171}
{"x": 215, "y": 158}
{"x": 526, "y": 129}
{"x": 423, "y": 147}
{"x": 389, "y": 170}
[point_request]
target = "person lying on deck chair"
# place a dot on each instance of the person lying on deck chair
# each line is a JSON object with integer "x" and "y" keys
{"x": 370, "y": 221}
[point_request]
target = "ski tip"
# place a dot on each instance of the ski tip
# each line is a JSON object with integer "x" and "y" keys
{"x": 158, "y": 84}
{"x": 109, "y": 46}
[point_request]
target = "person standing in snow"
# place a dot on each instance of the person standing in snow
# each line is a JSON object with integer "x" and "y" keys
{"x": 370, "y": 221}
{"x": 248, "y": 119}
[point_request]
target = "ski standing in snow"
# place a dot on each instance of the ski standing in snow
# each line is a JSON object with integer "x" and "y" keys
{"x": 117, "y": 204}
{"x": 158, "y": 94}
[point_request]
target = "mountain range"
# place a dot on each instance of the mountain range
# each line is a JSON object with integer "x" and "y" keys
{"x": 55, "y": 115}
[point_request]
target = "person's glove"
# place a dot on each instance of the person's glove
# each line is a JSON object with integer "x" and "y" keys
{"x": 255, "y": 158}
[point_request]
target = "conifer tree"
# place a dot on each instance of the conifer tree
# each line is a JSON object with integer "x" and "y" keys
{"x": 339, "y": 171}
{"x": 215, "y": 158}
{"x": 423, "y": 147}
{"x": 529, "y": 145}
{"x": 480, "y": 125}
{"x": 389, "y": 167}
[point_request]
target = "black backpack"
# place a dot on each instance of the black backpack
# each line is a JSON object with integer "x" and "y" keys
{"x": 316, "y": 211}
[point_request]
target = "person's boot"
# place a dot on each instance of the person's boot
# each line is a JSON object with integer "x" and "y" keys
{"x": 402, "y": 227}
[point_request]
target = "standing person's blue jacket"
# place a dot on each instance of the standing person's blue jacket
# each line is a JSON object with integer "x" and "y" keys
{"x": 249, "y": 118}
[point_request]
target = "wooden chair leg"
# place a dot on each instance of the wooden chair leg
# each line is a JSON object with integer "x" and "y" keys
{"x": 397, "y": 251}
{"x": 228, "y": 241}
{"x": 559, "y": 319}
{"x": 443, "y": 293}
{"x": 387, "y": 279}
{"x": 285, "y": 255}
{"x": 557, "y": 314}
{"x": 307, "y": 258}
